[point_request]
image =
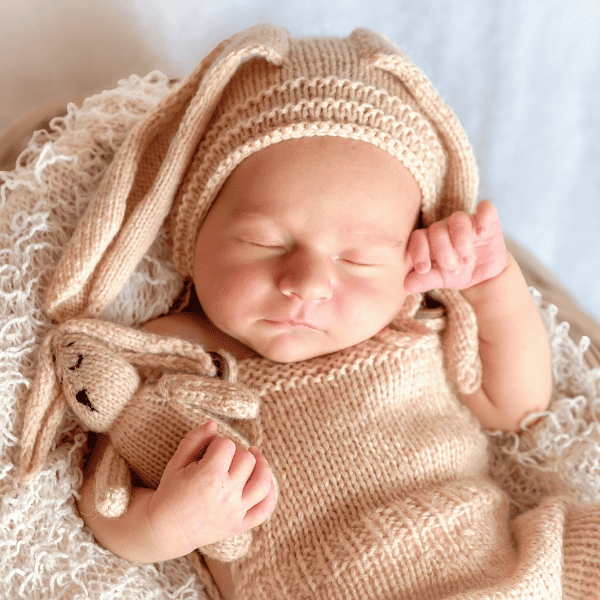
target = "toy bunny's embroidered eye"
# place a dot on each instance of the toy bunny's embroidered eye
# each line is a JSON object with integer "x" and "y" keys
{"x": 79, "y": 361}
{"x": 82, "y": 398}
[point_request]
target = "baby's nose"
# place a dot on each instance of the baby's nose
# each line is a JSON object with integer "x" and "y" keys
{"x": 308, "y": 276}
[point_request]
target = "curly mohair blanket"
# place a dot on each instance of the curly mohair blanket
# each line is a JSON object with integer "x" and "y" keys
{"x": 45, "y": 549}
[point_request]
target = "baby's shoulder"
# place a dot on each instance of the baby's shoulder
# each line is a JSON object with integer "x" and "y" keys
{"x": 197, "y": 328}
{"x": 184, "y": 325}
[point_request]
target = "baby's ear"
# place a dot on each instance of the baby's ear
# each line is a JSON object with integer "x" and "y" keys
{"x": 97, "y": 381}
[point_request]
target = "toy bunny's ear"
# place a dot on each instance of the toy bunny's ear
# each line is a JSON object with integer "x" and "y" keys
{"x": 43, "y": 414}
{"x": 138, "y": 188}
{"x": 142, "y": 348}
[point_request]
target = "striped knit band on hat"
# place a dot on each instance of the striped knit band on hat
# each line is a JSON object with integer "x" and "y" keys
{"x": 324, "y": 90}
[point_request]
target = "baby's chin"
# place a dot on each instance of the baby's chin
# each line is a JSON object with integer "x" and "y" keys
{"x": 287, "y": 350}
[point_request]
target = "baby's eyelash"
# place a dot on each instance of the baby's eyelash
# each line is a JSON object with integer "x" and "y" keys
{"x": 359, "y": 263}
{"x": 266, "y": 245}
{"x": 261, "y": 243}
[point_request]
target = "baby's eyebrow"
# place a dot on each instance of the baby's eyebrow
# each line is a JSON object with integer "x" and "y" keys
{"x": 363, "y": 235}
{"x": 378, "y": 238}
{"x": 251, "y": 217}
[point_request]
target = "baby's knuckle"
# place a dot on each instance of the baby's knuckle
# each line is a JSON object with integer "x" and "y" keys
{"x": 248, "y": 457}
{"x": 263, "y": 483}
{"x": 225, "y": 444}
{"x": 437, "y": 227}
{"x": 459, "y": 218}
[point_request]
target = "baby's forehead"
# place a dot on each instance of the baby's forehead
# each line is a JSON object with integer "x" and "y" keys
{"x": 357, "y": 188}
{"x": 334, "y": 163}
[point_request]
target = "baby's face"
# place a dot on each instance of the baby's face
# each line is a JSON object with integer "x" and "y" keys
{"x": 304, "y": 251}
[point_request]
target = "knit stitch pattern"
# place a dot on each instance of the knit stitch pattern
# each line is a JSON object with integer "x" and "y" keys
{"x": 45, "y": 549}
{"x": 385, "y": 490}
{"x": 258, "y": 88}
{"x": 91, "y": 367}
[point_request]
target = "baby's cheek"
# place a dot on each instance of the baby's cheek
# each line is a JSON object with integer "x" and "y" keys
{"x": 371, "y": 305}
{"x": 242, "y": 290}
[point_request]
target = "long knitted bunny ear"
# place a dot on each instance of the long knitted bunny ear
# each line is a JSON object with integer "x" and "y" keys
{"x": 140, "y": 348}
{"x": 137, "y": 191}
{"x": 460, "y": 187}
{"x": 45, "y": 408}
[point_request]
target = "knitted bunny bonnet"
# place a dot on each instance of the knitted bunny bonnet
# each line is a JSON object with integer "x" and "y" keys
{"x": 258, "y": 88}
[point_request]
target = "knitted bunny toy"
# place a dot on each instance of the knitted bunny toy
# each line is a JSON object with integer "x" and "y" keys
{"x": 146, "y": 392}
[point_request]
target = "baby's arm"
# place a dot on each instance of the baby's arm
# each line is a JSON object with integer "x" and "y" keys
{"x": 467, "y": 252}
{"x": 198, "y": 501}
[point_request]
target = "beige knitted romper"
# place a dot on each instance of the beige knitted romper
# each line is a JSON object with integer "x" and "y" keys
{"x": 383, "y": 487}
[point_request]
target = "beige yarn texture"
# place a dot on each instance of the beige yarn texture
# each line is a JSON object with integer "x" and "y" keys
{"x": 258, "y": 88}
{"x": 327, "y": 87}
{"x": 386, "y": 492}
{"x": 145, "y": 391}
{"x": 384, "y": 487}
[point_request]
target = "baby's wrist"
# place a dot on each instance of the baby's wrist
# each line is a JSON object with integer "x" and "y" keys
{"x": 501, "y": 297}
{"x": 164, "y": 535}
{"x": 481, "y": 291}
{"x": 152, "y": 543}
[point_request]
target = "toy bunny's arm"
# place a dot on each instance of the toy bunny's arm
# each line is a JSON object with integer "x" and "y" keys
{"x": 112, "y": 484}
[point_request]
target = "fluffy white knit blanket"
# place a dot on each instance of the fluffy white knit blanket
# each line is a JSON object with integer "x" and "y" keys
{"x": 45, "y": 549}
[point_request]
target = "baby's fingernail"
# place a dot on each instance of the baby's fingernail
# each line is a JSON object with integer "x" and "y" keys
{"x": 422, "y": 267}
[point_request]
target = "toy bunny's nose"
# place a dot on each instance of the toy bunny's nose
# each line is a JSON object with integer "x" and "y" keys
{"x": 82, "y": 397}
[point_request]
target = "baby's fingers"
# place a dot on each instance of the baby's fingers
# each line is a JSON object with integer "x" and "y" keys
{"x": 461, "y": 234}
{"x": 442, "y": 249}
{"x": 260, "y": 512}
{"x": 260, "y": 482}
{"x": 219, "y": 454}
{"x": 193, "y": 445}
{"x": 487, "y": 222}
{"x": 418, "y": 250}
{"x": 242, "y": 465}
{"x": 417, "y": 282}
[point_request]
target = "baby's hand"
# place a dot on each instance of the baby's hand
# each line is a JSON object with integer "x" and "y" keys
{"x": 226, "y": 491}
{"x": 458, "y": 252}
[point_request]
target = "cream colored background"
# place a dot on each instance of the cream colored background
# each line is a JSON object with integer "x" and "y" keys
{"x": 55, "y": 49}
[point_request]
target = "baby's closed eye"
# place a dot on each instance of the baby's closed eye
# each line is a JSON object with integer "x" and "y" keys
{"x": 362, "y": 261}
